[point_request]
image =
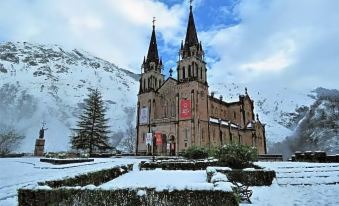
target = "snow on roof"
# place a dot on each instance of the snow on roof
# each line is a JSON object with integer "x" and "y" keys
{"x": 223, "y": 122}
{"x": 250, "y": 125}
{"x": 214, "y": 120}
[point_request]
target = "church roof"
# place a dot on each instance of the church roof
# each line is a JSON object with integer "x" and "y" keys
{"x": 191, "y": 34}
{"x": 152, "y": 55}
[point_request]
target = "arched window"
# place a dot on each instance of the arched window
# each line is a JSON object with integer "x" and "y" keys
{"x": 183, "y": 72}
{"x": 189, "y": 71}
{"x": 202, "y": 134}
{"x": 173, "y": 109}
{"x": 196, "y": 70}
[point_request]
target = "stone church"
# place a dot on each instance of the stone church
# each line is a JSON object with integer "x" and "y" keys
{"x": 175, "y": 114}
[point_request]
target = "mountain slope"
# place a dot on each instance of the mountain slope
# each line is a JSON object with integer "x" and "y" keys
{"x": 319, "y": 127}
{"x": 48, "y": 83}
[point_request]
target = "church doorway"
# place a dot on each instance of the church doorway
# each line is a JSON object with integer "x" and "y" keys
{"x": 172, "y": 146}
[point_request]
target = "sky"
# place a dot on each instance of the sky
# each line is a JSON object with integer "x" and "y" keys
{"x": 257, "y": 43}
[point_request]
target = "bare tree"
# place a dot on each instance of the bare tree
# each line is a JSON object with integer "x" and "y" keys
{"x": 128, "y": 142}
{"x": 117, "y": 137}
{"x": 10, "y": 140}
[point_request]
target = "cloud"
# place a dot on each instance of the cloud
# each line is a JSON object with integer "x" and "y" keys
{"x": 115, "y": 30}
{"x": 287, "y": 42}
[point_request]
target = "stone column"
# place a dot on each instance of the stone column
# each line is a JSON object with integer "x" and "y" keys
{"x": 39, "y": 147}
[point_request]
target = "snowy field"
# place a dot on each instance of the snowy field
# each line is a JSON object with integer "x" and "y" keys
{"x": 17, "y": 173}
{"x": 296, "y": 183}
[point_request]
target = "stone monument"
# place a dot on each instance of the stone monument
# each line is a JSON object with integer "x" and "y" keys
{"x": 40, "y": 142}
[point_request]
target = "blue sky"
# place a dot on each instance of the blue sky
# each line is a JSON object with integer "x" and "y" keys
{"x": 255, "y": 43}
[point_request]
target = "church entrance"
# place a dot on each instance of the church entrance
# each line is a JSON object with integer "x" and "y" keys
{"x": 172, "y": 146}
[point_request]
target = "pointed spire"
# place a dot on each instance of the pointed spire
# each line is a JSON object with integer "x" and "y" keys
{"x": 191, "y": 34}
{"x": 152, "y": 55}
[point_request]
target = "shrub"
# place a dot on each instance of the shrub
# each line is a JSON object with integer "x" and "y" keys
{"x": 10, "y": 140}
{"x": 237, "y": 155}
{"x": 195, "y": 152}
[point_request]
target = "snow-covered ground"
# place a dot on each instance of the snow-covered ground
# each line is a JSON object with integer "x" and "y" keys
{"x": 296, "y": 183}
{"x": 299, "y": 184}
{"x": 161, "y": 179}
{"x": 17, "y": 173}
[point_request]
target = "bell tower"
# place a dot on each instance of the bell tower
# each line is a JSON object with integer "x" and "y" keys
{"x": 191, "y": 64}
{"x": 151, "y": 76}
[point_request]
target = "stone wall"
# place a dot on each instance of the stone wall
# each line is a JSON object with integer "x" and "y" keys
{"x": 317, "y": 156}
{"x": 142, "y": 197}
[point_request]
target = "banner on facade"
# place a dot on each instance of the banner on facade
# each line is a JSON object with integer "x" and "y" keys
{"x": 143, "y": 119}
{"x": 158, "y": 138}
{"x": 185, "y": 108}
{"x": 149, "y": 139}
{"x": 168, "y": 147}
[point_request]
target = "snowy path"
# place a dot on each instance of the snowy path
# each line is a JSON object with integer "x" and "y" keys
{"x": 22, "y": 172}
{"x": 299, "y": 184}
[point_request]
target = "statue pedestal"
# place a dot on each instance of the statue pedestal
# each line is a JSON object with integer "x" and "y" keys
{"x": 39, "y": 147}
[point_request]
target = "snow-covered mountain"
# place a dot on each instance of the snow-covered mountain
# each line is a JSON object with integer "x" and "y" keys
{"x": 48, "y": 83}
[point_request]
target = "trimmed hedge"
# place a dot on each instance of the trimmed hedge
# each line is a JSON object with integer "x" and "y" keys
{"x": 195, "y": 152}
{"x": 65, "y": 161}
{"x": 124, "y": 197}
{"x": 252, "y": 178}
{"x": 177, "y": 165}
{"x": 95, "y": 178}
{"x": 249, "y": 178}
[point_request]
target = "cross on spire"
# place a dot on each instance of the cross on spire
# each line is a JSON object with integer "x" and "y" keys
{"x": 191, "y": 2}
{"x": 153, "y": 21}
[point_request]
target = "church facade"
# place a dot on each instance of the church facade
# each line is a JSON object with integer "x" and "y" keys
{"x": 175, "y": 114}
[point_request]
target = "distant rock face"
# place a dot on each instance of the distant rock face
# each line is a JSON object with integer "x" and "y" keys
{"x": 318, "y": 129}
{"x": 48, "y": 83}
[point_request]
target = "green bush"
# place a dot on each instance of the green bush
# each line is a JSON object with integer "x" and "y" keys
{"x": 237, "y": 156}
{"x": 195, "y": 152}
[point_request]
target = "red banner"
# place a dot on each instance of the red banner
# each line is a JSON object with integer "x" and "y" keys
{"x": 158, "y": 138}
{"x": 185, "y": 108}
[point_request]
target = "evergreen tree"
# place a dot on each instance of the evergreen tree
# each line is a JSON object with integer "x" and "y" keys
{"x": 92, "y": 131}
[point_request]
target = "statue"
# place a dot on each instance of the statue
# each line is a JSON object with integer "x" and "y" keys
{"x": 42, "y": 131}
{"x": 40, "y": 142}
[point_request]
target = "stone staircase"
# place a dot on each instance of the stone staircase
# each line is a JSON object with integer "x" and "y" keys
{"x": 316, "y": 174}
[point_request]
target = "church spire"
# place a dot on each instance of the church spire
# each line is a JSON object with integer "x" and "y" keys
{"x": 152, "y": 55}
{"x": 191, "y": 34}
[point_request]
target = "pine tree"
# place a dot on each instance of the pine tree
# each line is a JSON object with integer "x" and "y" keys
{"x": 92, "y": 130}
